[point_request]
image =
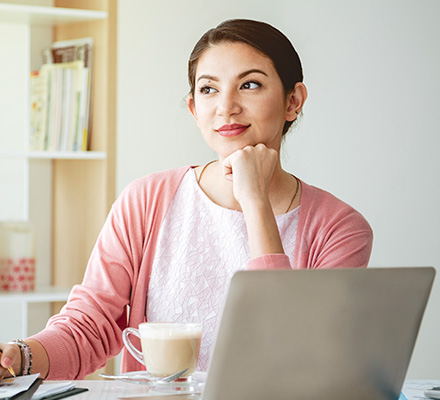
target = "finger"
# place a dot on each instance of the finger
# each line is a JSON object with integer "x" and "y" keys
{"x": 8, "y": 355}
{"x": 227, "y": 168}
{"x": 227, "y": 173}
{"x": 6, "y": 358}
{"x": 5, "y": 365}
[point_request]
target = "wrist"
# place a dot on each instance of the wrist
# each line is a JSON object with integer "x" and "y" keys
{"x": 26, "y": 356}
{"x": 256, "y": 205}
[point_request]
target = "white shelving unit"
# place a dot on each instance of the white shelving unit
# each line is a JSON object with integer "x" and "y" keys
{"x": 24, "y": 300}
{"x": 37, "y": 15}
{"x": 55, "y": 155}
{"x": 26, "y": 176}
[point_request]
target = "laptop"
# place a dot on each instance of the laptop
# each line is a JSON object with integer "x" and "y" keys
{"x": 336, "y": 334}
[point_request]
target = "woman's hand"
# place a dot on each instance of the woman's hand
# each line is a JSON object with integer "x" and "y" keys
{"x": 251, "y": 170}
{"x": 10, "y": 356}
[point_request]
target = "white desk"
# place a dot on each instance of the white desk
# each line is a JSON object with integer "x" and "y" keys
{"x": 113, "y": 390}
{"x": 47, "y": 294}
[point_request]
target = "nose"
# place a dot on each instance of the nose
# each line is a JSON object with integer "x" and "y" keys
{"x": 228, "y": 103}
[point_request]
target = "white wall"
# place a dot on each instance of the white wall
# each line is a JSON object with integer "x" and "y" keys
{"x": 369, "y": 134}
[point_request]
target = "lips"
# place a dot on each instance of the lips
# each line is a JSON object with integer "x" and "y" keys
{"x": 232, "y": 130}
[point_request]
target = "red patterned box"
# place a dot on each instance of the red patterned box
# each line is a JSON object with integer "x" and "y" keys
{"x": 17, "y": 275}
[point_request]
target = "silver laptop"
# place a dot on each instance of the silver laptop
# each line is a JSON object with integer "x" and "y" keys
{"x": 310, "y": 334}
{"x": 340, "y": 334}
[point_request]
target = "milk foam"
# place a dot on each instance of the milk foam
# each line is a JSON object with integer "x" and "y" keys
{"x": 166, "y": 331}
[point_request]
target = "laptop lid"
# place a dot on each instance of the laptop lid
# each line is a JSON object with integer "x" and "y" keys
{"x": 311, "y": 334}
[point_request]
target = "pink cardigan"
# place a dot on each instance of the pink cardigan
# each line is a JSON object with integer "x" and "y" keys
{"x": 88, "y": 331}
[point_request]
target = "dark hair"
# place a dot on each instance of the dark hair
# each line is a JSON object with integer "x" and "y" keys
{"x": 263, "y": 37}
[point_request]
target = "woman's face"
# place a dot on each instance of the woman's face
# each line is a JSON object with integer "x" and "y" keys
{"x": 239, "y": 99}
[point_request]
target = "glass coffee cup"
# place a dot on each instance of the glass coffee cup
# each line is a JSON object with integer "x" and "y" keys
{"x": 167, "y": 347}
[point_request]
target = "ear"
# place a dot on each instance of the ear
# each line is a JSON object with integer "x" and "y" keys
{"x": 295, "y": 101}
{"x": 191, "y": 105}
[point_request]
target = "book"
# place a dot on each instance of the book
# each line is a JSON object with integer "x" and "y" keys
{"x": 57, "y": 102}
{"x": 50, "y": 74}
{"x": 66, "y": 104}
{"x": 82, "y": 137}
{"x": 38, "y": 110}
{"x": 72, "y": 50}
{"x": 66, "y": 92}
{"x": 69, "y": 114}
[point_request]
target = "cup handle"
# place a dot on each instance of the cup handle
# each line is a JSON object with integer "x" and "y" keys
{"x": 133, "y": 350}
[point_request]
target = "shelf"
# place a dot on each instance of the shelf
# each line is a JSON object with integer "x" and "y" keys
{"x": 55, "y": 155}
{"x": 39, "y": 295}
{"x": 37, "y": 15}
{"x": 47, "y": 294}
{"x": 40, "y": 186}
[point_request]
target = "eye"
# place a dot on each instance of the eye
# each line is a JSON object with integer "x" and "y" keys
{"x": 207, "y": 90}
{"x": 251, "y": 85}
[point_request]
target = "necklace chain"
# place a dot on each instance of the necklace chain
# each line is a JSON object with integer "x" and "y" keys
{"x": 203, "y": 170}
{"x": 291, "y": 201}
{"x": 294, "y": 195}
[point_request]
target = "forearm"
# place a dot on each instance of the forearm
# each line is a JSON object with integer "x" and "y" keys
{"x": 263, "y": 233}
{"x": 40, "y": 359}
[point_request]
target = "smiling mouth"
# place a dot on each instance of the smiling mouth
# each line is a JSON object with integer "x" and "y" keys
{"x": 232, "y": 130}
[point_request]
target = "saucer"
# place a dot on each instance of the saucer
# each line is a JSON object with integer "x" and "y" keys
{"x": 194, "y": 384}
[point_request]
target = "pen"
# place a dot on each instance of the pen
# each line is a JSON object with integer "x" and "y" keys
{"x": 10, "y": 369}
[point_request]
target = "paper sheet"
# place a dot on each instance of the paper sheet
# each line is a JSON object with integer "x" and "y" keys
{"x": 413, "y": 390}
{"x": 9, "y": 387}
{"x": 47, "y": 389}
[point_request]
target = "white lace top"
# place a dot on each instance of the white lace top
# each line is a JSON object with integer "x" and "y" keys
{"x": 200, "y": 246}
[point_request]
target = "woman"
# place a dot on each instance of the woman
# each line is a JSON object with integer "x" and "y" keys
{"x": 173, "y": 239}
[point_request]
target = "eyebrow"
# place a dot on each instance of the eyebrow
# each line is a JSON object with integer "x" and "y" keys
{"x": 251, "y": 71}
{"x": 240, "y": 76}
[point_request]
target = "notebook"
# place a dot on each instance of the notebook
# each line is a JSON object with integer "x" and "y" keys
{"x": 336, "y": 334}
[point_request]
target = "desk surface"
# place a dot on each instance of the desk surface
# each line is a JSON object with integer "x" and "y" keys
{"x": 110, "y": 390}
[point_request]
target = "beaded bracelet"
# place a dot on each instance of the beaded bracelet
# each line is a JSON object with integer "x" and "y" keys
{"x": 26, "y": 356}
